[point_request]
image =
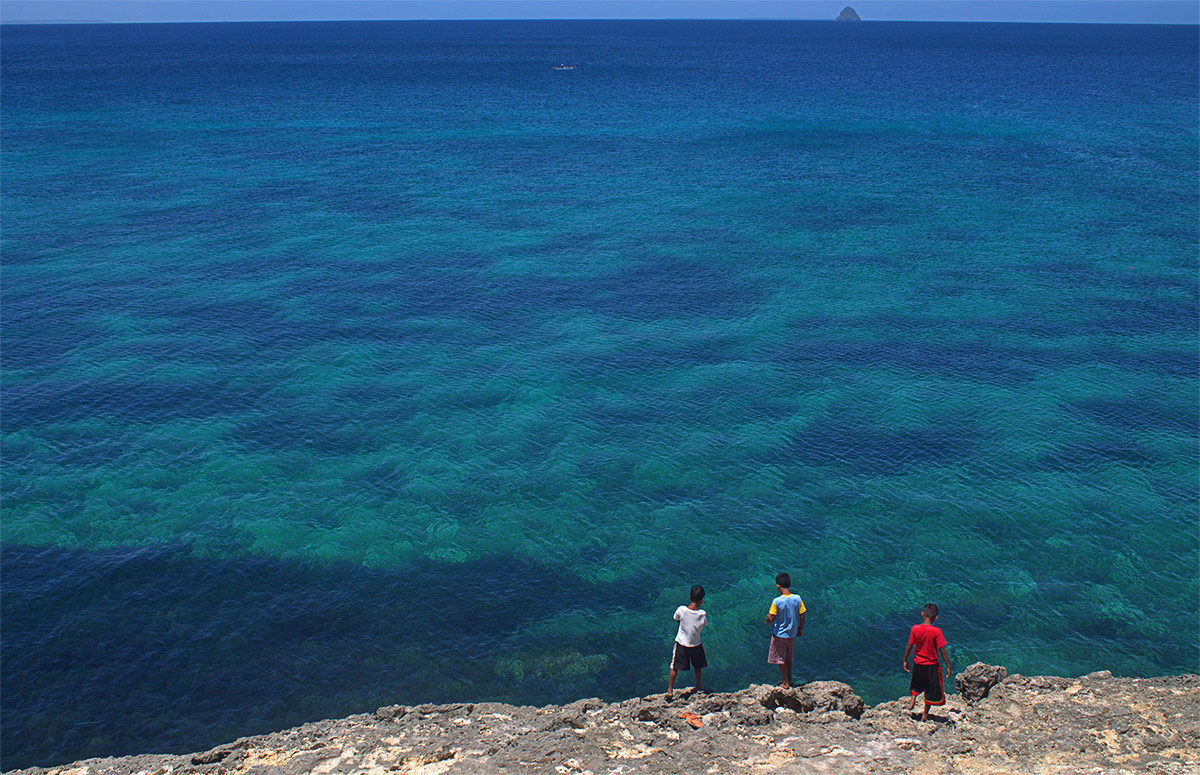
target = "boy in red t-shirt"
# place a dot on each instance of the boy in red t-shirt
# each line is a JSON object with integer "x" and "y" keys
{"x": 927, "y": 641}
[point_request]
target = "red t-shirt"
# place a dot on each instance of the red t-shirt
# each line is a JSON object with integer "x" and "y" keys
{"x": 926, "y": 640}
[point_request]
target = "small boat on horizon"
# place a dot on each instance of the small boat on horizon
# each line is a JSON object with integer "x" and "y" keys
{"x": 565, "y": 67}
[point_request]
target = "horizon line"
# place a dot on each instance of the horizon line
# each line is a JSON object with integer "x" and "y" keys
{"x": 69, "y": 22}
{"x": 1108, "y": 12}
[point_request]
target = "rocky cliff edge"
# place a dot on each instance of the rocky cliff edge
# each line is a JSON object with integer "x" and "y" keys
{"x": 996, "y": 724}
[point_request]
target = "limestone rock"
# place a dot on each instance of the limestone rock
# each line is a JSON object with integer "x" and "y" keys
{"x": 976, "y": 681}
{"x": 817, "y": 696}
{"x": 848, "y": 15}
{"x": 391, "y": 713}
{"x": 1040, "y": 724}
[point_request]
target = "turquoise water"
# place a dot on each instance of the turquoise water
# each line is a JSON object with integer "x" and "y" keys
{"x": 354, "y": 364}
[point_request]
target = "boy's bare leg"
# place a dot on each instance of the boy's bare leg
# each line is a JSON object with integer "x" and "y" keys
{"x": 785, "y": 674}
{"x": 671, "y": 684}
{"x": 912, "y": 700}
{"x": 697, "y": 679}
{"x": 925, "y": 715}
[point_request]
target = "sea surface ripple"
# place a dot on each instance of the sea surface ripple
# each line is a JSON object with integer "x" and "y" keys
{"x": 348, "y": 364}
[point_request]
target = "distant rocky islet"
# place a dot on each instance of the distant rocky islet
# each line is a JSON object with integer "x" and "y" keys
{"x": 848, "y": 15}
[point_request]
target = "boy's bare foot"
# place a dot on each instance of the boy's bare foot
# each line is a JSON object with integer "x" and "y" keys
{"x": 670, "y": 696}
{"x": 785, "y": 685}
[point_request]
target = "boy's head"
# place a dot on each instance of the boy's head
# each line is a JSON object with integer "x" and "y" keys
{"x": 697, "y": 594}
{"x": 783, "y": 581}
{"x": 929, "y": 612}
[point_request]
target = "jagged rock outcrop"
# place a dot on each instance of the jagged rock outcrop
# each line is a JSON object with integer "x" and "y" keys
{"x": 977, "y": 680}
{"x": 1092, "y": 724}
{"x": 817, "y": 696}
{"x": 848, "y": 15}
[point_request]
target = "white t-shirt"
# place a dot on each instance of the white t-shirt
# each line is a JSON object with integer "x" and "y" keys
{"x": 690, "y": 624}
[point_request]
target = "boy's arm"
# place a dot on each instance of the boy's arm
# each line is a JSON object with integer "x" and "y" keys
{"x": 800, "y": 628}
{"x": 772, "y": 613}
{"x": 907, "y": 651}
{"x": 946, "y": 657}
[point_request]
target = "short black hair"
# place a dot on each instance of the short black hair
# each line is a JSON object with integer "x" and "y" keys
{"x": 697, "y": 594}
{"x": 930, "y": 611}
{"x": 784, "y": 580}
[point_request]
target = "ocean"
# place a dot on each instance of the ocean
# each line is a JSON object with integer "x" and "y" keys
{"x": 351, "y": 364}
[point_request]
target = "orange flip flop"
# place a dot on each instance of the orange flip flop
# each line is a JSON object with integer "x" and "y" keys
{"x": 692, "y": 719}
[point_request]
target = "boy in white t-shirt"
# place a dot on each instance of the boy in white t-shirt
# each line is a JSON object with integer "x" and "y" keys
{"x": 689, "y": 652}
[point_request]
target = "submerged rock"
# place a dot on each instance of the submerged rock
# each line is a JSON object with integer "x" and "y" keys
{"x": 1013, "y": 724}
{"x": 848, "y": 15}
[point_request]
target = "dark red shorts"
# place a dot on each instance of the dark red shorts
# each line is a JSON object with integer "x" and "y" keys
{"x": 928, "y": 679}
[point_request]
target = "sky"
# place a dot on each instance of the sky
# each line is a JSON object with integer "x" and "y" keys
{"x": 1090, "y": 11}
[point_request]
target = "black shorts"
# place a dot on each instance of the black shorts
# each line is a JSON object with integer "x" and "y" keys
{"x": 687, "y": 657}
{"x": 928, "y": 679}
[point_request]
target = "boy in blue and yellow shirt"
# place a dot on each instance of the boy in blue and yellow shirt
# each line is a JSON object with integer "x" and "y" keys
{"x": 787, "y": 617}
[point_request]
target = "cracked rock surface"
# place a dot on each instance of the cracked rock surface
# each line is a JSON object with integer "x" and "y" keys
{"x": 1093, "y": 724}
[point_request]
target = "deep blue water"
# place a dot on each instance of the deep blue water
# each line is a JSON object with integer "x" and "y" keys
{"x": 333, "y": 353}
